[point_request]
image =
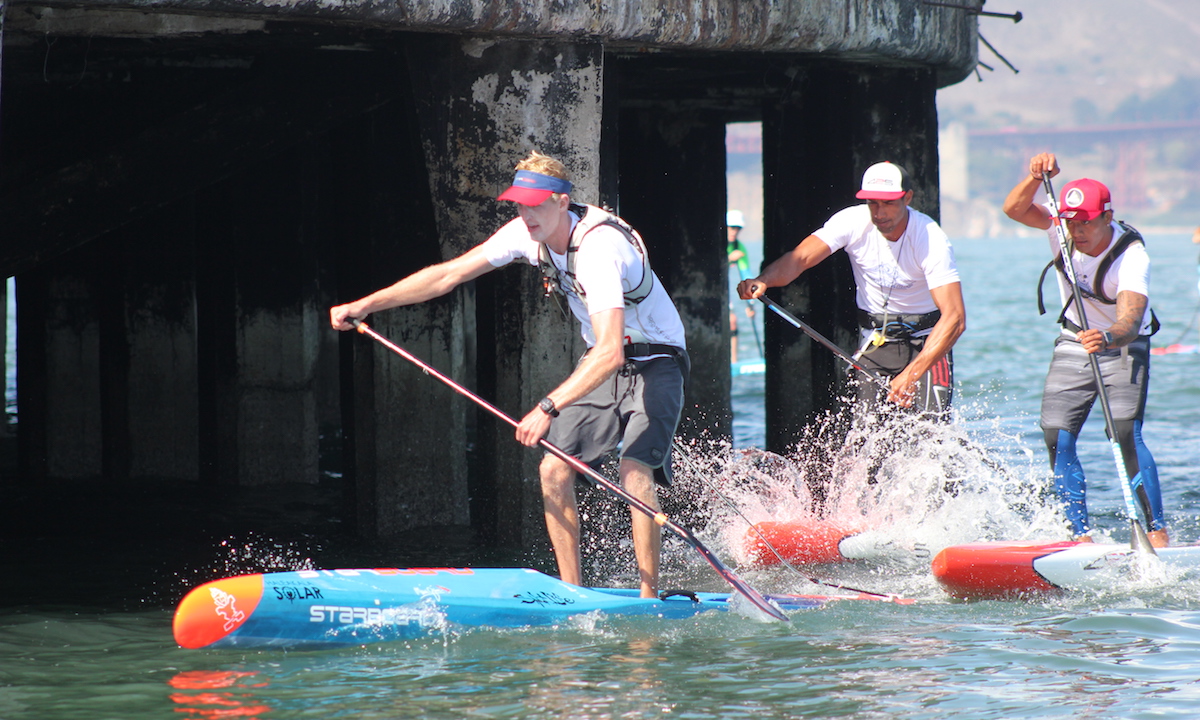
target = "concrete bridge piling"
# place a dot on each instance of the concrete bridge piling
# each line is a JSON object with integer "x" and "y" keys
{"x": 186, "y": 186}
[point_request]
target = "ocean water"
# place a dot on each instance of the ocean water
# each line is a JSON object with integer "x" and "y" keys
{"x": 105, "y": 650}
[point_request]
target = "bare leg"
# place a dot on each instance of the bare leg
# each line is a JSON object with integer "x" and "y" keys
{"x": 562, "y": 516}
{"x": 647, "y": 535}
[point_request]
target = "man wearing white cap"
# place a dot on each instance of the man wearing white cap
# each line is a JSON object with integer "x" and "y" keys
{"x": 909, "y": 297}
{"x": 626, "y": 392}
{"x": 1110, "y": 260}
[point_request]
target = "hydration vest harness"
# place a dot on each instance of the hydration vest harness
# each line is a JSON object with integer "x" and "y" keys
{"x": 898, "y": 326}
{"x": 1128, "y": 237}
{"x": 590, "y": 218}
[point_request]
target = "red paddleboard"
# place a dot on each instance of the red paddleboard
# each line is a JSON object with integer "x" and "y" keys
{"x": 1174, "y": 349}
{"x": 994, "y": 570}
{"x": 805, "y": 542}
{"x": 1015, "y": 570}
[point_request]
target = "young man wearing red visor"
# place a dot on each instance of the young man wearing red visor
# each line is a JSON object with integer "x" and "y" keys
{"x": 626, "y": 392}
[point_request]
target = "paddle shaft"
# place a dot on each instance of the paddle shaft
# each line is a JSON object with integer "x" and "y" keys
{"x": 578, "y": 465}
{"x": 753, "y": 325}
{"x": 800, "y": 324}
{"x": 1064, "y": 246}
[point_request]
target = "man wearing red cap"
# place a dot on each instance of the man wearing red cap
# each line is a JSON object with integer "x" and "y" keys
{"x": 1110, "y": 262}
{"x": 909, "y": 297}
{"x": 627, "y": 391}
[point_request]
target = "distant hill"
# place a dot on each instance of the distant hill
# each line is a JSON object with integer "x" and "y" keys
{"x": 1088, "y": 66}
{"x": 1075, "y": 52}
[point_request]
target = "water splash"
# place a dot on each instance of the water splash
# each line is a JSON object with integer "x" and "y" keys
{"x": 910, "y": 486}
{"x": 259, "y": 554}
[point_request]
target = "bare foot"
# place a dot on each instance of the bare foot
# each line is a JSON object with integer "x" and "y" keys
{"x": 1082, "y": 538}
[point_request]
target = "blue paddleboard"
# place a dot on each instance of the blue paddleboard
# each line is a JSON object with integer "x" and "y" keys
{"x": 363, "y": 606}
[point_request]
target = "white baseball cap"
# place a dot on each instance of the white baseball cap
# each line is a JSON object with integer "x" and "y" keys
{"x": 734, "y": 218}
{"x": 883, "y": 181}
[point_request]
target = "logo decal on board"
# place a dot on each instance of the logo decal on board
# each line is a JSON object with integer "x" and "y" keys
{"x": 543, "y": 598}
{"x": 223, "y": 603}
{"x": 292, "y": 594}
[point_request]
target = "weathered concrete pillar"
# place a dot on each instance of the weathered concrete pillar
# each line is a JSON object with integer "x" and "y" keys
{"x": 257, "y": 325}
{"x": 405, "y": 438}
{"x": 4, "y": 331}
{"x": 3, "y": 14}
{"x": 152, "y": 344}
{"x": 483, "y": 105}
{"x": 59, "y": 394}
{"x": 817, "y": 141}
{"x": 672, "y": 189}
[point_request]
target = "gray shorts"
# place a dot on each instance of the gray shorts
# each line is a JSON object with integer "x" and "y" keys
{"x": 1070, "y": 388}
{"x": 637, "y": 410}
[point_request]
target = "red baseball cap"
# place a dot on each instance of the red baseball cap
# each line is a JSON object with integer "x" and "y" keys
{"x": 1084, "y": 199}
{"x": 883, "y": 181}
{"x": 532, "y": 188}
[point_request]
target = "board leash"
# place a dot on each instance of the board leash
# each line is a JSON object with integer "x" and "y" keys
{"x": 782, "y": 560}
{"x": 741, "y": 586}
{"x": 991, "y": 464}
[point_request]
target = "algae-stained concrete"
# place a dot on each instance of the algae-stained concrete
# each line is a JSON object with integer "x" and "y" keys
{"x": 867, "y": 30}
{"x": 187, "y": 185}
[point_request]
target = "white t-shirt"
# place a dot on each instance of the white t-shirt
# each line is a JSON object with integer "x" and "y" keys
{"x": 895, "y": 277}
{"x": 1129, "y": 271}
{"x": 606, "y": 267}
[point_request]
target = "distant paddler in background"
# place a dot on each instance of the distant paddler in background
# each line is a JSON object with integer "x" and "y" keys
{"x": 1113, "y": 269}
{"x": 909, "y": 296}
{"x": 735, "y": 249}
{"x": 626, "y": 392}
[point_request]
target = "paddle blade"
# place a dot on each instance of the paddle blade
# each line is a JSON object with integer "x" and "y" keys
{"x": 747, "y": 606}
{"x": 1139, "y": 541}
{"x": 743, "y": 588}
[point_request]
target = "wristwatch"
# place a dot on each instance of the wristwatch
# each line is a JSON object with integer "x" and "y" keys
{"x": 1108, "y": 338}
{"x": 547, "y": 406}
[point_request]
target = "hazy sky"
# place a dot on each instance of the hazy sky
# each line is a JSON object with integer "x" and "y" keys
{"x": 1102, "y": 50}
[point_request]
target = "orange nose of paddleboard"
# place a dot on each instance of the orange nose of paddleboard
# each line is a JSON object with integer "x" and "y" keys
{"x": 993, "y": 570}
{"x": 216, "y": 609}
{"x": 806, "y": 542}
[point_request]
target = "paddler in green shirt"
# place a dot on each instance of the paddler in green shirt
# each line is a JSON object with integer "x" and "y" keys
{"x": 734, "y": 222}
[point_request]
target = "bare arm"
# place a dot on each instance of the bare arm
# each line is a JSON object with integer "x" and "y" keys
{"x": 1131, "y": 309}
{"x": 605, "y": 358}
{"x": 425, "y": 284}
{"x": 787, "y": 268}
{"x": 1020, "y": 205}
{"x": 950, "y": 326}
